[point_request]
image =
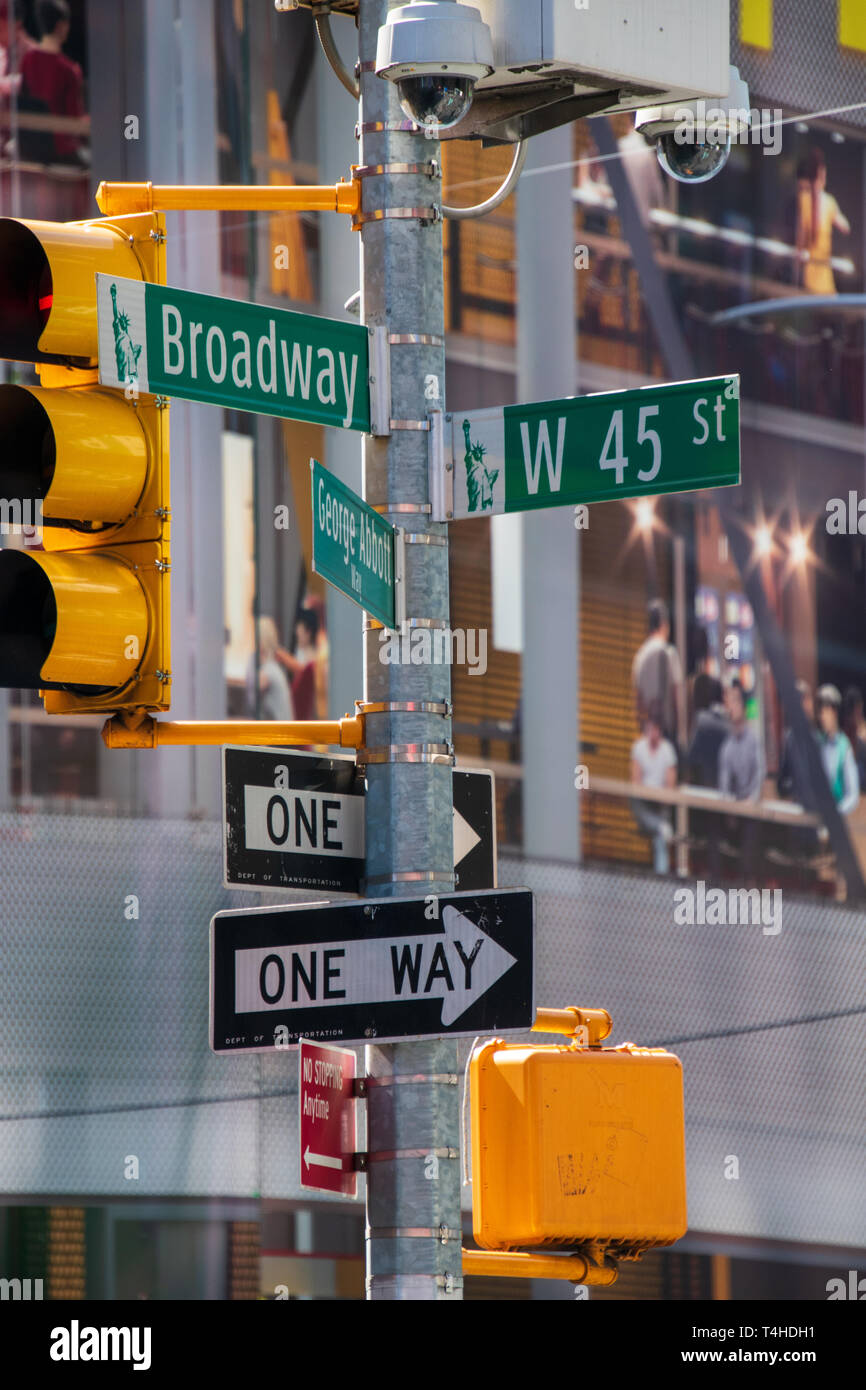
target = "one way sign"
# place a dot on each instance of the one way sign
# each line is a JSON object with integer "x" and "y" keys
{"x": 296, "y": 820}
{"x": 387, "y": 968}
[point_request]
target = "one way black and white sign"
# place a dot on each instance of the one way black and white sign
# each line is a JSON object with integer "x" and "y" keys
{"x": 387, "y": 968}
{"x": 296, "y": 820}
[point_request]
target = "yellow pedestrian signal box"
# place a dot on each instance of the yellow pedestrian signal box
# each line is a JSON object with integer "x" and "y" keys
{"x": 576, "y": 1146}
{"x": 84, "y": 591}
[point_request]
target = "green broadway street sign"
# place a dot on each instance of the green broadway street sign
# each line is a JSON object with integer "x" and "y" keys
{"x": 201, "y": 347}
{"x": 671, "y": 438}
{"x": 355, "y": 550}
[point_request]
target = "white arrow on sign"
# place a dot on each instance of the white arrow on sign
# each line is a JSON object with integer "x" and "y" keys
{"x": 323, "y": 1160}
{"x": 457, "y": 965}
{"x": 465, "y": 837}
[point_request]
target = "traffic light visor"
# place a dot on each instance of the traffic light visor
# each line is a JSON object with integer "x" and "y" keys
{"x": 82, "y": 455}
{"x": 76, "y": 621}
{"x": 48, "y": 289}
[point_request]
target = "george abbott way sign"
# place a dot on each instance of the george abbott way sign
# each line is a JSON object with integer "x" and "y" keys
{"x": 355, "y": 549}
{"x": 656, "y": 439}
{"x": 200, "y": 347}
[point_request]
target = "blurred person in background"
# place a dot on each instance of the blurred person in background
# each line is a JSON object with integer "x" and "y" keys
{"x": 301, "y": 666}
{"x": 308, "y": 667}
{"x": 854, "y": 729}
{"x": 312, "y": 645}
{"x": 654, "y": 764}
{"x": 273, "y": 700}
{"x": 14, "y": 43}
{"x": 741, "y": 775}
{"x": 711, "y": 728}
{"x": 836, "y": 752}
{"x": 657, "y": 675}
{"x": 793, "y": 781}
{"x": 51, "y": 84}
{"x": 741, "y": 771}
{"x": 818, "y": 216}
{"x": 702, "y": 684}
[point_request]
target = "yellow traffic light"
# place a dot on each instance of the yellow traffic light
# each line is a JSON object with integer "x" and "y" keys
{"x": 575, "y": 1146}
{"x": 85, "y": 619}
{"x": 47, "y": 289}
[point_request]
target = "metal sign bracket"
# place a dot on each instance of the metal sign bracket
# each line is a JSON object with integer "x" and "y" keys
{"x": 380, "y": 381}
{"x": 440, "y": 456}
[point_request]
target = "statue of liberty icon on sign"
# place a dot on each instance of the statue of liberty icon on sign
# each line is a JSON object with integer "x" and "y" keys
{"x": 479, "y": 478}
{"x": 126, "y": 352}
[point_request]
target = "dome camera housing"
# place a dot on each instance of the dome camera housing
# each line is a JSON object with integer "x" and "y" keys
{"x": 693, "y": 138}
{"x": 692, "y": 161}
{"x": 435, "y": 51}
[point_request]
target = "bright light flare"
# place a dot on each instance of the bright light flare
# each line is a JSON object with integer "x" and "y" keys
{"x": 799, "y": 548}
{"x": 763, "y": 541}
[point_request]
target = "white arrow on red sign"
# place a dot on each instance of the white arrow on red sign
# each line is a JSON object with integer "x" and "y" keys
{"x": 322, "y": 1160}
{"x": 327, "y": 1106}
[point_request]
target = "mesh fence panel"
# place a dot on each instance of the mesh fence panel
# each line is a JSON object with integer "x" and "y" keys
{"x": 105, "y": 1028}
{"x": 807, "y": 68}
{"x": 788, "y": 1100}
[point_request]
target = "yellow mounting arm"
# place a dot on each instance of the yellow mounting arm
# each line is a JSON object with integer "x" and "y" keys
{"x": 118, "y": 199}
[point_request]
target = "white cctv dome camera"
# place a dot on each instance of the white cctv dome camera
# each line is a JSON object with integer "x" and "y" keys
{"x": 693, "y": 138}
{"x": 435, "y": 51}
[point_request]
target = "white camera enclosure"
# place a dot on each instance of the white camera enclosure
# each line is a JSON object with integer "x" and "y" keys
{"x": 557, "y": 60}
{"x": 733, "y": 108}
{"x": 432, "y": 36}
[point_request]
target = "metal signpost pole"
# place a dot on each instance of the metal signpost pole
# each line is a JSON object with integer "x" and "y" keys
{"x": 413, "y": 1198}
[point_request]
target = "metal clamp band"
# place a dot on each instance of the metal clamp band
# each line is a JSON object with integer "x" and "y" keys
{"x": 431, "y": 214}
{"x": 412, "y": 876}
{"x": 431, "y": 169}
{"x": 374, "y": 127}
{"x": 415, "y": 508}
{"x": 441, "y": 1078}
{"x": 437, "y": 624}
{"x": 385, "y": 1155}
{"x": 416, "y": 340}
{"x": 403, "y": 753}
{"x": 440, "y": 1233}
{"x": 368, "y": 66}
{"x": 449, "y": 1282}
{"x": 423, "y": 538}
{"x": 410, "y": 425}
{"x": 443, "y": 707}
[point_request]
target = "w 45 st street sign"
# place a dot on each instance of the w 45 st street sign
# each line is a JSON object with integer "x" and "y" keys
{"x": 672, "y": 438}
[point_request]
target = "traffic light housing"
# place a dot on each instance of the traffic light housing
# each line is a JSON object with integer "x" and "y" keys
{"x": 85, "y": 619}
{"x": 577, "y": 1146}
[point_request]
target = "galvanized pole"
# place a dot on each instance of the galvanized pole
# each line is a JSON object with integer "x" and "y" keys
{"x": 547, "y": 367}
{"x": 413, "y": 1182}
